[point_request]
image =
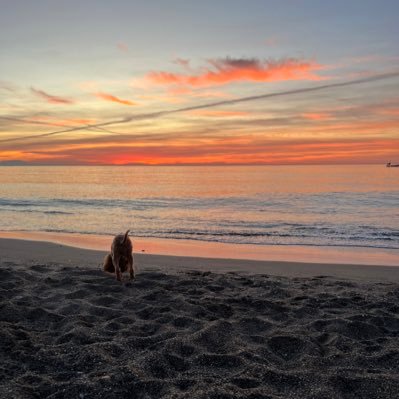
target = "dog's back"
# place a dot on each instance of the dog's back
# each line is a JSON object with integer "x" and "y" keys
{"x": 122, "y": 245}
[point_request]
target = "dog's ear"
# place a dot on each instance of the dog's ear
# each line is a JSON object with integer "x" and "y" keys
{"x": 125, "y": 237}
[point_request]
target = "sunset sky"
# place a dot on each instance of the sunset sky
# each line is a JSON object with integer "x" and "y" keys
{"x": 117, "y": 82}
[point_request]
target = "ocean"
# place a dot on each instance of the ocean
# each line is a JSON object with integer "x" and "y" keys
{"x": 345, "y": 205}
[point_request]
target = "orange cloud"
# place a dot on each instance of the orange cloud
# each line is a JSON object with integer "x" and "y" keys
{"x": 227, "y": 70}
{"x": 50, "y": 98}
{"x": 321, "y": 116}
{"x": 110, "y": 97}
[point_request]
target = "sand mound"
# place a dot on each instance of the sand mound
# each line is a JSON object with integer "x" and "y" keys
{"x": 67, "y": 332}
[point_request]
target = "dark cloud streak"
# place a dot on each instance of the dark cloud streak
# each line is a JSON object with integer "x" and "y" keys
{"x": 50, "y": 98}
{"x": 237, "y": 63}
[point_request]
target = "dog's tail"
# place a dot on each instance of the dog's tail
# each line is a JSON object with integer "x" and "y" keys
{"x": 125, "y": 237}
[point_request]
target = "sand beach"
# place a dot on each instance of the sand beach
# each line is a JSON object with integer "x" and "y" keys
{"x": 194, "y": 327}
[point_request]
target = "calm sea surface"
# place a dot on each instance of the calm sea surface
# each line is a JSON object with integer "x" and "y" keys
{"x": 265, "y": 205}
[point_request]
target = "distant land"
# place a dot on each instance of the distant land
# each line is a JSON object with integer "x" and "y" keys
{"x": 14, "y": 163}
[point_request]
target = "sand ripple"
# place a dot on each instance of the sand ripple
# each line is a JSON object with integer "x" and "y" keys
{"x": 68, "y": 332}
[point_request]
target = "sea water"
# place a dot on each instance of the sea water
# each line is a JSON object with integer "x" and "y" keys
{"x": 344, "y": 205}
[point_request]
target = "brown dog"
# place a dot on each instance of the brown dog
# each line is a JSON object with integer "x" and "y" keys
{"x": 121, "y": 258}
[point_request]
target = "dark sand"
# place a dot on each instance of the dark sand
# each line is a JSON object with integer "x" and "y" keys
{"x": 276, "y": 331}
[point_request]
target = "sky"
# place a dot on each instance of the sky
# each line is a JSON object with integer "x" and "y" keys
{"x": 199, "y": 82}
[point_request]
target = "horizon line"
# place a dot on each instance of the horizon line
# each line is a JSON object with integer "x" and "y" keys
{"x": 20, "y": 163}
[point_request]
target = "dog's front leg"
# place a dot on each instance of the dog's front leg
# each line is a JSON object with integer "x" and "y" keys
{"x": 115, "y": 261}
{"x": 131, "y": 268}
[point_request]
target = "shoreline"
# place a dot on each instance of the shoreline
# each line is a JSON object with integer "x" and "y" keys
{"x": 40, "y": 252}
{"x": 203, "y": 249}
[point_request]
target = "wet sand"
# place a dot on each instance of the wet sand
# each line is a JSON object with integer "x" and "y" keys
{"x": 217, "y": 250}
{"x": 194, "y": 327}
